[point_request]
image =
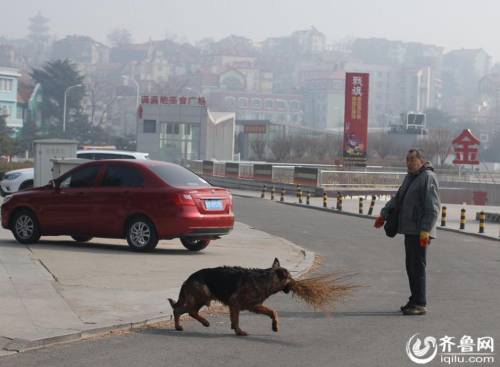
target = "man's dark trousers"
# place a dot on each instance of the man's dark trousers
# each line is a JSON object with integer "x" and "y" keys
{"x": 415, "y": 268}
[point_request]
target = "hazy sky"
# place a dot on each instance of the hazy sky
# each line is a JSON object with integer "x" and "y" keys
{"x": 447, "y": 23}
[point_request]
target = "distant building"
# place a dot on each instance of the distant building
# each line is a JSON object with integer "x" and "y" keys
{"x": 278, "y": 108}
{"x": 8, "y": 97}
{"x": 81, "y": 50}
{"x": 462, "y": 71}
{"x": 182, "y": 128}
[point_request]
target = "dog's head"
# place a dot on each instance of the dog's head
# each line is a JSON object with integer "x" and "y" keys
{"x": 283, "y": 277}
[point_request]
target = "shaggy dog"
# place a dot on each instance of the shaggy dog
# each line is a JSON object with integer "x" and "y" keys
{"x": 236, "y": 287}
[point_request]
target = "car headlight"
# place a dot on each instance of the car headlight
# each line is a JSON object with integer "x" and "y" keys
{"x": 11, "y": 176}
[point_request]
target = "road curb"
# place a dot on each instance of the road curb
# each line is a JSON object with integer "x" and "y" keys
{"x": 335, "y": 211}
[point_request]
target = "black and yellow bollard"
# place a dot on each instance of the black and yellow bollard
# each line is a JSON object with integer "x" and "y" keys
{"x": 325, "y": 200}
{"x": 339, "y": 201}
{"x": 462, "y": 218}
{"x": 360, "y": 205}
{"x": 443, "y": 216}
{"x": 372, "y": 205}
{"x": 308, "y": 198}
{"x": 272, "y": 193}
{"x": 263, "y": 194}
{"x": 299, "y": 194}
{"x": 282, "y": 197}
{"x": 482, "y": 219}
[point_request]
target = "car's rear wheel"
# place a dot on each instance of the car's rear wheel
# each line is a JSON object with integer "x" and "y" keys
{"x": 193, "y": 244}
{"x": 25, "y": 227}
{"x": 141, "y": 234}
{"x": 81, "y": 238}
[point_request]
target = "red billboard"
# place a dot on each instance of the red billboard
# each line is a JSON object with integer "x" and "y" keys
{"x": 356, "y": 118}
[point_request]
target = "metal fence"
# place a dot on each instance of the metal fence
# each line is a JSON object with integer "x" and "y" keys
{"x": 283, "y": 174}
{"x": 361, "y": 178}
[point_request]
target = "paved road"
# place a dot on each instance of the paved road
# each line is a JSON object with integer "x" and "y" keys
{"x": 366, "y": 330}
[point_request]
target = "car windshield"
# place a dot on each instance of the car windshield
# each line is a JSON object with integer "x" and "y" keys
{"x": 178, "y": 176}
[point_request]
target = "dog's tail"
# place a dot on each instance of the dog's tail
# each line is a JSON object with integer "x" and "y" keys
{"x": 172, "y": 302}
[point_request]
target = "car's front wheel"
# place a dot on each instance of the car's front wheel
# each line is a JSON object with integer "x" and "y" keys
{"x": 81, "y": 238}
{"x": 141, "y": 234}
{"x": 25, "y": 227}
{"x": 193, "y": 244}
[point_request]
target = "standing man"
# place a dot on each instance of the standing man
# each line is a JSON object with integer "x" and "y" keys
{"x": 418, "y": 205}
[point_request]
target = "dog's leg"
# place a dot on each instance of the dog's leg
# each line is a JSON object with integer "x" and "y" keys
{"x": 195, "y": 315}
{"x": 177, "y": 314}
{"x": 235, "y": 321}
{"x": 263, "y": 310}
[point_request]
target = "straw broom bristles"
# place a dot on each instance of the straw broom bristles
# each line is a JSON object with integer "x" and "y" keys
{"x": 323, "y": 291}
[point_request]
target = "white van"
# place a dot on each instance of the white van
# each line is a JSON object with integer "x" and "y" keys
{"x": 21, "y": 179}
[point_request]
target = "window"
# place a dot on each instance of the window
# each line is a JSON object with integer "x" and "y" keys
{"x": 149, "y": 126}
{"x": 85, "y": 155}
{"x": 178, "y": 176}
{"x": 281, "y": 104}
{"x": 243, "y": 102}
{"x": 187, "y": 129}
{"x": 122, "y": 176}
{"x": 98, "y": 156}
{"x": 256, "y": 103}
{"x": 230, "y": 102}
{"x": 6, "y": 84}
{"x": 294, "y": 105}
{"x": 268, "y": 103}
{"x": 84, "y": 177}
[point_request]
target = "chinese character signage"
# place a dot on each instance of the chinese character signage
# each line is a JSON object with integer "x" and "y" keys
{"x": 466, "y": 148}
{"x": 356, "y": 118}
{"x": 196, "y": 101}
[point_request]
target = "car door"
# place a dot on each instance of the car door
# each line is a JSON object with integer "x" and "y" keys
{"x": 72, "y": 206}
{"x": 116, "y": 197}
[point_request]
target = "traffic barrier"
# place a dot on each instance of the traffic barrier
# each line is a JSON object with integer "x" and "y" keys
{"x": 372, "y": 205}
{"x": 299, "y": 194}
{"x": 263, "y": 194}
{"x": 482, "y": 219}
{"x": 325, "y": 200}
{"x": 272, "y": 193}
{"x": 360, "y": 205}
{"x": 443, "y": 216}
{"x": 462, "y": 218}
{"x": 282, "y": 197}
{"x": 308, "y": 198}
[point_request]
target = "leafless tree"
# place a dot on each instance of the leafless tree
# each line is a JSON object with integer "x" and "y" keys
{"x": 281, "y": 148}
{"x": 119, "y": 37}
{"x": 259, "y": 147}
{"x": 437, "y": 145}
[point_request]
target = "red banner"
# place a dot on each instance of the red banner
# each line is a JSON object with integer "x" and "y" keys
{"x": 356, "y": 118}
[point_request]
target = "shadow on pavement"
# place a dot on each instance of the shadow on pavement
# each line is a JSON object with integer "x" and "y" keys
{"x": 208, "y": 335}
{"x": 327, "y": 315}
{"x": 96, "y": 247}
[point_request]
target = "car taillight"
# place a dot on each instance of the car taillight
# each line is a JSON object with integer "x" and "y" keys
{"x": 184, "y": 199}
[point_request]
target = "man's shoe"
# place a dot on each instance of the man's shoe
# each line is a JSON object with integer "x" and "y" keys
{"x": 404, "y": 307}
{"x": 414, "y": 310}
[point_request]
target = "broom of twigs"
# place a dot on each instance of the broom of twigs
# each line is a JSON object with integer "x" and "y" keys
{"x": 323, "y": 292}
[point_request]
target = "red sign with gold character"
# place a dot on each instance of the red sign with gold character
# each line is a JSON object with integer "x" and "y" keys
{"x": 356, "y": 117}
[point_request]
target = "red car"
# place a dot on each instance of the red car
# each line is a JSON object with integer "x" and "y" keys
{"x": 142, "y": 201}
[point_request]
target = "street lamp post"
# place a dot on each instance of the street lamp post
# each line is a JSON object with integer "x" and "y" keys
{"x": 65, "y": 98}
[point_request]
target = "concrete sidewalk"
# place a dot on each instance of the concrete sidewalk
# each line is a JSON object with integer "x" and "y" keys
{"x": 59, "y": 290}
{"x": 351, "y": 205}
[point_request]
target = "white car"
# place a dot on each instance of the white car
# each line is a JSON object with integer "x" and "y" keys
{"x": 21, "y": 179}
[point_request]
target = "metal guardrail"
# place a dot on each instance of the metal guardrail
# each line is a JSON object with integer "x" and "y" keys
{"x": 361, "y": 178}
{"x": 283, "y": 174}
{"x": 219, "y": 169}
